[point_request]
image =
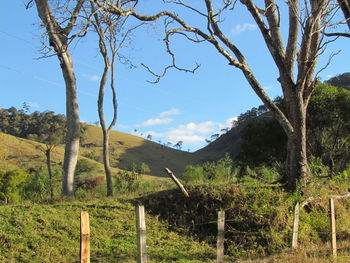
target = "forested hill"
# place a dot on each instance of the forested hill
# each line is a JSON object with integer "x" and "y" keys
{"x": 341, "y": 80}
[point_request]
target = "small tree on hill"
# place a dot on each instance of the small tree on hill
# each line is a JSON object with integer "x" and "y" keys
{"x": 50, "y": 130}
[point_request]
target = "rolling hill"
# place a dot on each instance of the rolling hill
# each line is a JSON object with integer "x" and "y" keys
{"x": 126, "y": 151}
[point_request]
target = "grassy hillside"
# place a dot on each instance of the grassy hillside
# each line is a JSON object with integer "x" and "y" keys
{"x": 22, "y": 153}
{"x": 127, "y": 149}
{"x": 50, "y": 233}
{"x": 226, "y": 143}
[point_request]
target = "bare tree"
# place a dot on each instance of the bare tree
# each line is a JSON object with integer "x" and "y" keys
{"x": 295, "y": 57}
{"x": 59, "y": 32}
{"x": 112, "y": 37}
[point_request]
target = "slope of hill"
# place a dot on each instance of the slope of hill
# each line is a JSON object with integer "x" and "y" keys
{"x": 227, "y": 143}
{"x": 22, "y": 153}
{"x": 128, "y": 150}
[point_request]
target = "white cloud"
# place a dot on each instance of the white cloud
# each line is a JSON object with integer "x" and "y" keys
{"x": 153, "y": 122}
{"x": 241, "y": 28}
{"x": 91, "y": 77}
{"x": 173, "y": 111}
{"x": 193, "y": 133}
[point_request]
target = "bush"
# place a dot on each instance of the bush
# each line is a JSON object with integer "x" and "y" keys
{"x": 11, "y": 185}
{"x": 219, "y": 171}
{"x": 37, "y": 188}
{"x": 127, "y": 181}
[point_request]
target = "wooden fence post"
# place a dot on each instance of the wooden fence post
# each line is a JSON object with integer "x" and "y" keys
{"x": 84, "y": 237}
{"x": 333, "y": 230}
{"x": 295, "y": 225}
{"x": 221, "y": 236}
{"x": 141, "y": 234}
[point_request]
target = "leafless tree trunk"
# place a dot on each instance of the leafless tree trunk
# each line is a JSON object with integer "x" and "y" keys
{"x": 59, "y": 40}
{"x": 107, "y": 27}
{"x": 298, "y": 54}
{"x": 48, "y": 163}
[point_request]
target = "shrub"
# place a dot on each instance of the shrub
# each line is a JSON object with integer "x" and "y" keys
{"x": 127, "y": 181}
{"x": 11, "y": 185}
{"x": 89, "y": 183}
{"x": 219, "y": 171}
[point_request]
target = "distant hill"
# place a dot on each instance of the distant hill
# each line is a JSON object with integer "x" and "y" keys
{"x": 127, "y": 150}
{"x": 227, "y": 143}
{"x": 341, "y": 81}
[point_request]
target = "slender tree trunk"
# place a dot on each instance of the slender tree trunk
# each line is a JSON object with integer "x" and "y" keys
{"x": 58, "y": 38}
{"x": 108, "y": 66}
{"x": 48, "y": 163}
{"x": 105, "y": 132}
{"x": 106, "y": 163}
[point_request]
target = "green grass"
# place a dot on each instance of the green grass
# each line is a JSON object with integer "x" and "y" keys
{"x": 50, "y": 233}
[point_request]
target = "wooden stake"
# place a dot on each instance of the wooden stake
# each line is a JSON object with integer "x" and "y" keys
{"x": 177, "y": 182}
{"x": 295, "y": 226}
{"x": 141, "y": 234}
{"x": 221, "y": 236}
{"x": 333, "y": 230}
{"x": 84, "y": 237}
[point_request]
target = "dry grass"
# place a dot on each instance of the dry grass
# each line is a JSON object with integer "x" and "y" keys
{"x": 310, "y": 253}
{"x": 21, "y": 153}
{"x": 127, "y": 149}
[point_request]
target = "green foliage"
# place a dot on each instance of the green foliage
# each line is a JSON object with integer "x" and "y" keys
{"x": 11, "y": 185}
{"x": 257, "y": 219}
{"x": 84, "y": 166}
{"x": 341, "y": 80}
{"x": 144, "y": 168}
{"x": 219, "y": 171}
{"x": 258, "y": 175}
{"x": 193, "y": 173}
{"x": 127, "y": 181}
{"x": 37, "y": 186}
{"x": 329, "y": 126}
{"x": 264, "y": 141}
{"x": 46, "y": 127}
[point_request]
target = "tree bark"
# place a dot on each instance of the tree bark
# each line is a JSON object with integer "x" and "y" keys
{"x": 297, "y": 163}
{"x": 58, "y": 38}
{"x": 48, "y": 163}
{"x": 345, "y": 7}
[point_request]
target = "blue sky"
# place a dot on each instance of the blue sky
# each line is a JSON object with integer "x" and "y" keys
{"x": 182, "y": 106}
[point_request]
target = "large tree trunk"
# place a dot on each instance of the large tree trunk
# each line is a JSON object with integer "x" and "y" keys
{"x": 73, "y": 125}
{"x": 297, "y": 168}
{"x": 58, "y": 38}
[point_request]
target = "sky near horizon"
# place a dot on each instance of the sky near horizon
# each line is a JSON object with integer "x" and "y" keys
{"x": 181, "y": 107}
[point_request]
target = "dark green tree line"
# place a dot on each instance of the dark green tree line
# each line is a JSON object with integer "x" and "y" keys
{"x": 263, "y": 141}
